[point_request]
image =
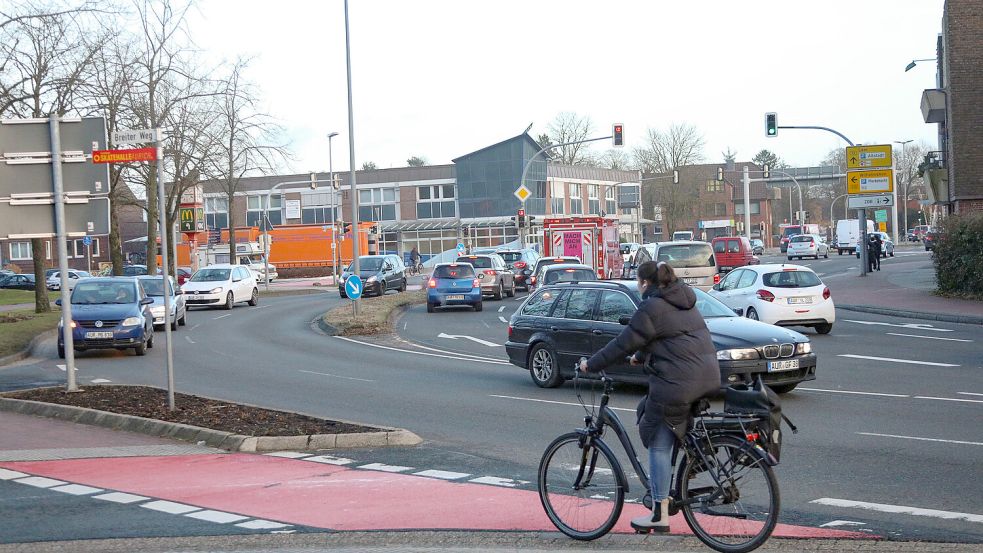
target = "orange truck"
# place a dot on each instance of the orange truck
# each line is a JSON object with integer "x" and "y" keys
{"x": 594, "y": 240}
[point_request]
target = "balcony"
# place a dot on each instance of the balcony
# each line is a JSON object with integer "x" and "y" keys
{"x": 933, "y": 105}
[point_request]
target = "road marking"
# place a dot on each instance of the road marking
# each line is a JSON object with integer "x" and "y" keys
{"x": 62, "y": 368}
{"x": 260, "y": 524}
{"x": 851, "y": 392}
{"x": 384, "y": 467}
{"x": 950, "y": 399}
{"x": 969, "y": 394}
{"x": 919, "y": 439}
{"x": 442, "y": 474}
{"x": 288, "y": 454}
{"x": 40, "y": 482}
{"x": 188, "y": 338}
{"x": 120, "y": 497}
{"x": 101, "y": 381}
{"x": 834, "y": 523}
{"x": 254, "y": 309}
{"x": 500, "y": 309}
{"x": 928, "y": 337}
{"x": 194, "y": 327}
{"x": 77, "y": 489}
{"x": 501, "y": 318}
{"x": 220, "y": 517}
{"x": 330, "y": 460}
{"x": 404, "y": 325}
{"x": 472, "y": 338}
{"x": 915, "y": 326}
{"x": 338, "y": 376}
{"x": 478, "y": 357}
{"x": 457, "y": 357}
{"x": 496, "y": 481}
{"x": 170, "y": 507}
{"x": 892, "y": 360}
{"x": 899, "y": 509}
{"x": 554, "y": 402}
{"x": 11, "y": 474}
{"x": 222, "y": 316}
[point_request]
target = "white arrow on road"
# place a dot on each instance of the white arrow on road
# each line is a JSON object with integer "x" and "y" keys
{"x": 918, "y": 326}
{"x": 472, "y": 338}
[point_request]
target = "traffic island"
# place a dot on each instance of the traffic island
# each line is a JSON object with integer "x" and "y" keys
{"x": 20, "y": 330}
{"x": 375, "y": 316}
{"x": 211, "y": 422}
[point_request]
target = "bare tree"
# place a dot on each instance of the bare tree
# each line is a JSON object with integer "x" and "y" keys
{"x": 908, "y": 183}
{"x": 663, "y": 151}
{"x": 566, "y": 127}
{"x": 616, "y": 158}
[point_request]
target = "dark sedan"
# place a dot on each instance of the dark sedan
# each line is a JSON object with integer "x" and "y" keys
{"x": 561, "y": 323}
{"x": 18, "y": 282}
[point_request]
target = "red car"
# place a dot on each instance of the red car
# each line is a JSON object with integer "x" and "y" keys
{"x": 732, "y": 252}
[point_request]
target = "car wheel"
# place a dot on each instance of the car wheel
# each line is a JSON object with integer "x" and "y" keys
{"x": 892, "y": 254}
{"x": 478, "y": 306}
{"x": 342, "y": 294}
{"x": 140, "y": 350}
{"x": 790, "y": 258}
{"x": 783, "y": 388}
{"x": 228, "y": 301}
{"x": 511, "y": 291}
{"x": 254, "y": 299}
{"x": 824, "y": 328}
{"x": 499, "y": 292}
{"x": 174, "y": 326}
{"x": 430, "y": 308}
{"x": 839, "y": 252}
{"x": 382, "y": 288}
{"x": 184, "y": 318}
{"x": 61, "y": 351}
{"x": 826, "y": 255}
{"x": 752, "y": 314}
{"x": 403, "y": 287}
{"x": 543, "y": 367}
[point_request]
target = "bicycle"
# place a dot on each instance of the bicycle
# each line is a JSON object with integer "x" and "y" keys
{"x": 723, "y": 483}
{"x": 414, "y": 269}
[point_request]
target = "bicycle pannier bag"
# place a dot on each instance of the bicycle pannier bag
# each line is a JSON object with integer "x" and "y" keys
{"x": 760, "y": 401}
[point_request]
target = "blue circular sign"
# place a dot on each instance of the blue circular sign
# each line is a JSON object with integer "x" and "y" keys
{"x": 87, "y": 241}
{"x": 460, "y": 247}
{"x": 353, "y": 287}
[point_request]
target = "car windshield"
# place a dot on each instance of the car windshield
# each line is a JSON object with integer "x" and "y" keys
{"x": 102, "y": 292}
{"x": 454, "y": 271}
{"x": 153, "y": 286}
{"x": 211, "y": 275}
{"x": 790, "y": 231}
{"x": 569, "y": 275}
{"x": 791, "y": 279}
{"x": 511, "y": 257}
{"x": 687, "y": 255}
{"x": 479, "y": 262}
{"x": 801, "y": 239}
{"x": 367, "y": 264}
{"x": 710, "y": 307}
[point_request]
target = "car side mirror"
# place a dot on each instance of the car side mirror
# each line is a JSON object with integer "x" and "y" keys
{"x": 147, "y": 301}
{"x": 178, "y": 292}
{"x": 716, "y": 286}
{"x": 624, "y": 320}
{"x": 58, "y": 301}
{"x": 236, "y": 279}
{"x": 739, "y": 311}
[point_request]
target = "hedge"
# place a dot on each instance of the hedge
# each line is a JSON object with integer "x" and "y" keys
{"x": 958, "y": 256}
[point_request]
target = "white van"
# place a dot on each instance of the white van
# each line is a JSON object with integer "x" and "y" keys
{"x": 692, "y": 260}
{"x": 682, "y": 235}
{"x": 848, "y": 233}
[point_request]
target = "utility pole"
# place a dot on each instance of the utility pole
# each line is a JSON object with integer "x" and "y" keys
{"x": 356, "y": 269}
{"x": 747, "y": 204}
{"x": 165, "y": 254}
{"x": 61, "y": 237}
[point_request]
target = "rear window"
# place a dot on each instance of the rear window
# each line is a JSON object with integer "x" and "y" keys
{"x": 789, "y": 231}
{"x": 719, "y": 246}
{"x": 479, "y": 262}
{"x": 569, "y": 275}
{"x": 448, "y": 271}
{"x": 548, "y": 262}
{"x": 791, "y": 279}
{"x": 687, "y": 255}
{"x": 801, "y": 239}
{"x": 511, "y": 257}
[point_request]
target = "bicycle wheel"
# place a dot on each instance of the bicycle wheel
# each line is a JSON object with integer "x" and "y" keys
{"x": 582, "y": 487}
{"x": 738, "y": 515}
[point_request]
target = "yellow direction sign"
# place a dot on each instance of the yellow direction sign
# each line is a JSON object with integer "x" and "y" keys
{"x": 870, "y": 182}
{"x": 522, "y": 193}
{"x": 862, "y": 157}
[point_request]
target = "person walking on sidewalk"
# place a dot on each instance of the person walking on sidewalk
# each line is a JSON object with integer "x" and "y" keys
{"x": 669, "y": 337}
{"x": 874, "y": 253}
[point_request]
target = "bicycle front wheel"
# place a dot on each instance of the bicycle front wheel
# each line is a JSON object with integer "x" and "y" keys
{"x": 730, "y": 497}
{"x": 582, "y": 486}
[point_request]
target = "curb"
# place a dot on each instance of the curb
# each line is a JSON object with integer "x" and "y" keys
{"x": 29, "y": 350}
{"x": 206, "y": 436}
{"x": 904, "y": 313}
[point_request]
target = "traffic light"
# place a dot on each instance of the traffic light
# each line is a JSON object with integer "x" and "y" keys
{"x": 618, "y": 134}
{"x": 720, "y": 174}
{"x": 771, "y": 124}
{"x": 766, "y": 173}
{"x": 675, "y": 176}
{"x": 520, "y": 218}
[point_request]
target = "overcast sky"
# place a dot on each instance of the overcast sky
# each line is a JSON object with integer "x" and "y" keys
{"x": 440, "y": 79}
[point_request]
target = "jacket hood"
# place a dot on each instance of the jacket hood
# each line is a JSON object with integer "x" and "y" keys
{"x": 676, "y": 294}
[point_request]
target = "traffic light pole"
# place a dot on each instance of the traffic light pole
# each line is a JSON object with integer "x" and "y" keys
{"x": 525, "y": 168}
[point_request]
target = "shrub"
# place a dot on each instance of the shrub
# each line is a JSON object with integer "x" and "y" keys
{"x": 958, "y": 255}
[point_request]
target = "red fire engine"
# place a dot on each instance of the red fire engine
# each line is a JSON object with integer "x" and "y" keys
{"x": 594, "y": 240}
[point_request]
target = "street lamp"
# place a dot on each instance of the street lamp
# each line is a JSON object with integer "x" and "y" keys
{"x": 334, "y": 218}
{"x": 911, "y": 65}
{"x": 846, "y": 215}
{"x": 907, "y": 185}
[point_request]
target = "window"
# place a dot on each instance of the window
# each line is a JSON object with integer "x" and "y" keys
{"x": 747, "y": 279}
{"x": 690, "y": 255}
{"x": 377, "y": 204}
{"x": 615, "y": 305}
{"x": 791, "y": 279}
{"x": 719, "y": 246}
{"x": 733, "y": 246}
{"x": 454, "y": 271}
{"x": 557, "y": 193}
{"x": 730, "y": 281}
{"x": 739, "y": 208}
{"x": 593, "y": 199}
{"x": 610, "y": 204}
{"x": 20, "y": 251}
{"x": 216, "y": 213}
{"x": 78, "y": 248}
{"x": 435, "y": 201}
{"x": 254, "y": 213}
{"x": 715, "y": 186}
{"x": 720, "y": 209}
{"x": 316, "y": 208}
{"x": 576, "y": 203}
{"x": 579, "y": 304}
{"x": 540, "y": 304}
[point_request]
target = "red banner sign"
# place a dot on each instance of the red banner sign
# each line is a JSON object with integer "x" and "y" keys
{"x": 124, "y": 156}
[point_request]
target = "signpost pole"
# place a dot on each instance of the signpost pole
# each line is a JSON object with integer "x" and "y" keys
{"x": 88, "y": 257}
{"x": 62, "y": 240}
{"x": 351, "y": 157}
{"x": 165, "y": 254}
{"x": 747, "y": 203}
{"x": 862, "y": 217}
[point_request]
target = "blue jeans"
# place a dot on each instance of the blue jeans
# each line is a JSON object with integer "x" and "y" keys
{"x": 660, "y": 462}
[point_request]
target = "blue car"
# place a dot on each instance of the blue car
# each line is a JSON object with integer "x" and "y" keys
{"x": 453, "y": 284}
{"x": 109, "y": 313}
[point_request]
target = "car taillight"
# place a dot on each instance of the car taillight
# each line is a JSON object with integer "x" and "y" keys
{"x": 533, "y": 280}
{"x": 475, "y": 283}
{"x": 765, "y": 295}
{"x": 519, "y": 265}
{"x": 510, "y": 332}
{"x": 432, "y": 283}
{"x": 826, "y": 293}
{"x": 716, "y": 278}
{"x": 491, "y": 272}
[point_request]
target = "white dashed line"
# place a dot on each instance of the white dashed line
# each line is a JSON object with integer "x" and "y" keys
{"x": 460, "y": 357}
{"x": 222, "y": 316}
{"x": 219, "y": 517}
{"x": 852, "y": 392}
{"x": 385, "y": 468}
{"x": 11, "y": 474}
{"x": 101, "y": 381}
{"x": 913, "y": 326}
{"x": 899, "y": 509}
{"x": 893, "y": 360}
{"x": 288, "y": 454}
{"x": 968, "y": 394}
{"x": 835, "y": 523}
{"x": 120, "y": 497}
{"x": 950, "y": 399}
{"x": 338, "y": 376}
{"x": 330, "y": 460}
{"x": 928, "y": 337}
{"x": 188, "y": 338}
{"x": 558, "y": 402}
{"x": 501, "y": 318}
{"x": 170, "y": 507}
{"x": 496, "y": 481}
{"x": 41, "y": 482}
{"x": 77, "y": 489}
{"x": 195, "y": 327}
{"x": 500, "y": 309}
{"x": 260, "y": 524}
{"x": 442, "y": 474}
{"x": 919, "y": 439}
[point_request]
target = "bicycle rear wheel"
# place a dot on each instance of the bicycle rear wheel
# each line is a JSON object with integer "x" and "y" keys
{"x": 740, "y": 514}
{"x": 582, "y": 487}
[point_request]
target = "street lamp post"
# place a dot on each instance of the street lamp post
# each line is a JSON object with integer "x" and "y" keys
{"x": 831, "y": 204}
{"x": 266, "y": 223}
{"x": 334, "y": 207}
{"x": 906, "y": 188}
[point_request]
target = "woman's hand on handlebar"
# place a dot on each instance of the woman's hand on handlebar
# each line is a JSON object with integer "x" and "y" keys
{"x": 582, "y": 366}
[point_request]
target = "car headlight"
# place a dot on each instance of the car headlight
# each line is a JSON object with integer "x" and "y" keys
{"x": 61, "y": 323}
{"x": 215, "y": 290}
{"x": 372, "y": 278}
{"x": 131, "y": 321}
{"x": 159, "y": 310}
{"x": 737, "y": 354}
{"x": 803, "y": 348}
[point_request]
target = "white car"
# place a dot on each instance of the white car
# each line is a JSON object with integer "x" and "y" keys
{"x": 887, "y": 245}
{"x": 807, "y": 245}
{"x": 154, "y": 287}
{"x": 778, "y": 294}
{"x": 54, "y": 281}
{"x": 221, "y": 286}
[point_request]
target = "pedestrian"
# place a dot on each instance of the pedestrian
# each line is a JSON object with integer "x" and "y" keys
{"x": 669, "y": 337}
{"x": 874, "y": 253}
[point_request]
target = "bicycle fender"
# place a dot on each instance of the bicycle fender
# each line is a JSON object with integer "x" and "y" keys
{"x": 762, "y": 454}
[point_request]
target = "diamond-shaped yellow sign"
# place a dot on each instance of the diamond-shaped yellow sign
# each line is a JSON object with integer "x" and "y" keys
{"x": 522, "y": 193}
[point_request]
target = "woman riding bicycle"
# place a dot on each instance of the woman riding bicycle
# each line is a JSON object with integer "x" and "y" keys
{"x": 668, "y": 335}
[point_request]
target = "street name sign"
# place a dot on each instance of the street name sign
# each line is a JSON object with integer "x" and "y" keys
{"x": 870, "y": 182}
{"x": 522, "y": 193}
{"x": 35, "y": 218}
{"x": 864, "y": 157}
{"x": 124, "y": 156}
{"x": 869, "y": 200}
{"x": 136, "y": 136}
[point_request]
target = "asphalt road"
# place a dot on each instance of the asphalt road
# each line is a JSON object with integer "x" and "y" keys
{"x": 889, "y": 431}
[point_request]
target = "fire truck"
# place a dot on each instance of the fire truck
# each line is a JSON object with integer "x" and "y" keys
{"x": 594, "y": 240}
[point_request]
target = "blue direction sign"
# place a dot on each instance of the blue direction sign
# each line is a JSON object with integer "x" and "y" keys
{"x": 353, "y": 287}
{"x": 87, "y": 241}
{"x": 460, "y": 248}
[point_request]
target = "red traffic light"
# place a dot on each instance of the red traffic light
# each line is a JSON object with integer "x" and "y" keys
{"x": 522, "y": 213}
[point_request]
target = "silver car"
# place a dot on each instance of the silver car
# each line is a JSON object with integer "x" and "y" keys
{"x": 154, "y": 287}
{"x": 887, "y": 245}
{"x": 807, "y": 245}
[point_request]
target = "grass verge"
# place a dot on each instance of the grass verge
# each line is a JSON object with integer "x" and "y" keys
{"x": 14, "y": 297}
{"x": 375, "y": 314}
{"x": 18, "y": 328}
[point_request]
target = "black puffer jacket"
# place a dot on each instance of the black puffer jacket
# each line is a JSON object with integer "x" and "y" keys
{"x": 668, "y": 333}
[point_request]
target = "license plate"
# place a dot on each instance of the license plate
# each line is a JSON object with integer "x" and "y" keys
{"x": 691, "y": 281}
{"x": 789, "y": 365}
{"x": 454, "y": 297}
{"x": 98, "y": 335}
{"x": 195, "y": 298}
{"x": 800, "y": 300}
